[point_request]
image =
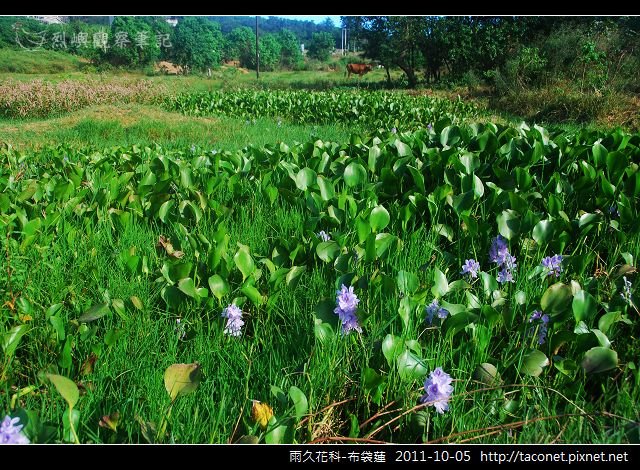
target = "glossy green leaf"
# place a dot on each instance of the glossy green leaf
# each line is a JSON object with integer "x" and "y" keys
{"x": 533, "y": 362}
{"x": 599, "y": 359}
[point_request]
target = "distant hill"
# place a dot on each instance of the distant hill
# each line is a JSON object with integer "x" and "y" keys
{"x": 272, "y": 24}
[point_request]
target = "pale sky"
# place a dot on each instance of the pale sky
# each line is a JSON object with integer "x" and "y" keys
{"x": 314, "y": 18}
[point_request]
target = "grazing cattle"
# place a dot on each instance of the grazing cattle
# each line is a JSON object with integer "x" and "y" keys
{"x": 360, "y": 69}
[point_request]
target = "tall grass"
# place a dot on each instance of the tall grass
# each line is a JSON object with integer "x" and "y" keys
{"x": 41, "y": 99}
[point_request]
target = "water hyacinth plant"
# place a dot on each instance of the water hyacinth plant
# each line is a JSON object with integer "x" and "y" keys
{"x": 542, "y": 320}
{"x": 324, "y": 236}
{"x": 346, "y": 306}
{"x": 553, "y": 265}
{"x": 233, "y": 314}
{"x": 434, "y": 309}
{"x": 499, "y": 254}
{"x": 471, "y": 267}
{"x": 439, "y": 389}
{"x": 11, "y": 432}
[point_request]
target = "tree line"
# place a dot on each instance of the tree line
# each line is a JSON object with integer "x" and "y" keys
{"x": 197, "y": 43}
{"x": 506, "y": 51}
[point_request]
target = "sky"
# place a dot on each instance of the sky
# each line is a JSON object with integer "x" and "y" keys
{"x": 314, "y": 18}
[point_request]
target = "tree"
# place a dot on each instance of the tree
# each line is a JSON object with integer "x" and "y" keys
{"x": 269, "y": 52}
{"x": 321, "y": 46}
{"x": 132, "y": 43}
{"x": 163, "y": 33}
{"x": 392, "y": 40}
{"x": 290, "y": 53}
{"x": 198, "y": 43}
{"x": 240, "y": 45}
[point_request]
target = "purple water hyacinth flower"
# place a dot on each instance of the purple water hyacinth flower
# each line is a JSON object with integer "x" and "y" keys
{"x": 346, "y": 299}
{"x": 471, "y": 266}
{"x": 499, "y": 250}
{"x": 439, "y": 389}
{"x": 434, "y": 309}
{"x": 505, "y": 276}
{"x": 11, "y": 432}
{"x": 553, "y": 265}
{"x": 346, "y": 306}
{"x": 542, "y": 319}
{"x": 324, "y": 236}
{"x": 349, "y": 322}
{"x": 429, "y": 126}
{"x": 233, "y": 314}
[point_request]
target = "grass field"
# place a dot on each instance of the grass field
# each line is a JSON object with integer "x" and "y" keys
{"x": 97, "y": 309}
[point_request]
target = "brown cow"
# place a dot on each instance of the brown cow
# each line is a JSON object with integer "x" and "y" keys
{"x": 360, "y": 69}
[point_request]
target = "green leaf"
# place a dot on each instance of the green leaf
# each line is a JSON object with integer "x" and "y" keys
{"x": 253, "y": 294}
{"x": 379, "y": 218}
{"x": 373, "y": 385}
{"x": 403, "y": 149}
{"x": 305, "y": 178}
{"x": 405, "y": 309}
{"x": 584, "y": 306}
{"x": 566, "y": 366}
{"x": 599, "y": 359}
{"x": 327, "y": 190}
{"x": 12, "y": 338}
{"x": 608, "y": 319}
{"x": 58, "y": 325}
{"x": 299, "y": 401}
{"x": 113, "y": 336}
{"x": 454, "y": 324}
{"x": 276, "y": 434}
{"x": 293, "y": 276}
{"x": 556, "y": 299}
{"x": 182, "y": 379}
{"x": 441, "y": 286}
{"x": 188, "y": 287}
{"x": 489, "y": 283}
{"x": 327, "y": 251}
{"x": 94, "y": 313}
{"x": 599, "y": 154}
{"x": 244, "y": 261}
{"x": 533, "y": 362}
{"x": 323, "y": 332}
{"x": 392, "y": 347}
{"x": 65, "y": 360}
{"x": 543, "y": 232}
{"x": 165, "y": 209}
{"x": 487, "y": 374}
{"x": 66, "y": 388}
{"x": 219, "y": 287}
{"x": 28, "y": 192}
{"x": 509, "y": 224}
{"x": 355, "y": 174}
{"x": 410, "y": 366}
{"x": 407, "y": 282}
{"x": 383, "y": 242}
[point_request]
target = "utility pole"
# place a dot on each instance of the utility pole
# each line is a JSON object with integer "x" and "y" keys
{"x": 257, "y": 52}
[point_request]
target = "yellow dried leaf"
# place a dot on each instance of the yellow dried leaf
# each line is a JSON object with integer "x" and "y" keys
{"x": 182, "y": 379}
{"x": 261, "y": 413}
